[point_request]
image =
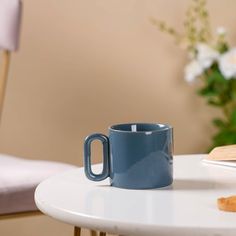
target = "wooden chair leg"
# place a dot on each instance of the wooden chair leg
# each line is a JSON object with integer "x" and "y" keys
{"x": 77, "y": 231}
{"x": 3, "y": 77}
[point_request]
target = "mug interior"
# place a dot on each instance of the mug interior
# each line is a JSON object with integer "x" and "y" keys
{"x": 140, "y": 127}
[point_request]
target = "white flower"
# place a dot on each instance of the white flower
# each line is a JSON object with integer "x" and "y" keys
{"x": 206, "y": 55}
{"x": 221, "y": 31}
{"x": 227, "y": 64}
{"x": 192, "y": 71}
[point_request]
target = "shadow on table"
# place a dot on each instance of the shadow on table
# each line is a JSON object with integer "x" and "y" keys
{"x": 185, "y": 184}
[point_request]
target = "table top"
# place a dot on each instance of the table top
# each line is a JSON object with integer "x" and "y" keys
{"x": 187, "y": 207}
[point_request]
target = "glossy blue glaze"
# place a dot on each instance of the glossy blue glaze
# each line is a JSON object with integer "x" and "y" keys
{"x": 139, "y": 156}
{"x": 87, "y": 157}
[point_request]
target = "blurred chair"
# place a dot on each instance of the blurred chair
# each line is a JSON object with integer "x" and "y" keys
{"x": 18, "y": 180}
{"x": 18, "y": 177}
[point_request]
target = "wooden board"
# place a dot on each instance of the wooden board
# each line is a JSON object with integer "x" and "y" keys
{"x": 224, "y": 153}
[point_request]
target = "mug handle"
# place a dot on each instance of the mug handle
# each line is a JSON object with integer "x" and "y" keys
{"x": 87, "y": 157}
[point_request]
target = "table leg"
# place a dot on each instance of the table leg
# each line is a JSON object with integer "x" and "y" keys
{"x": 102, "y": 234}
{"x": 93, "y": 233}
{"x": 77, "y": 231}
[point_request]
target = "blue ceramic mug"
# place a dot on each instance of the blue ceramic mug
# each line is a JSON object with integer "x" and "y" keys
{"x": 135, "y": 156}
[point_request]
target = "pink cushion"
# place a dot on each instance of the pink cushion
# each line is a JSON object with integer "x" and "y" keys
{"x": 10, "y": 19}
{"x": 19, "y": 178}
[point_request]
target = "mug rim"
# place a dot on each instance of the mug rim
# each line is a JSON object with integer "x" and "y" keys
{"x": 165, "y": 127}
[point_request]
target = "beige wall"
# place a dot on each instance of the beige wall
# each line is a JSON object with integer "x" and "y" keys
{"x": 86, "y": 64}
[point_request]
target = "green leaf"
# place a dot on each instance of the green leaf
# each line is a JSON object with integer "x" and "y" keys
{"x": 218, "y": 123}
{"x": 223, "y": 47}
{"x": 216, "y": 76}
{"x": 207, "y": 92}
{"x": 224, "y": 137}
{"x": 233, "y": 118}
{"x": 214, "y": 102}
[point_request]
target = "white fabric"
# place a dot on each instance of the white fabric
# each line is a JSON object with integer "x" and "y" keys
{"x": 10, "y": 19}
{"x": 19, "y": 178}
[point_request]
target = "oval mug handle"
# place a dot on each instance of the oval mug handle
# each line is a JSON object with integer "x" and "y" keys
{"x": 87, "y": 157}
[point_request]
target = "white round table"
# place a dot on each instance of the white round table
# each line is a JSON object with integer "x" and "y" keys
{"x": 186, "y": 208}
